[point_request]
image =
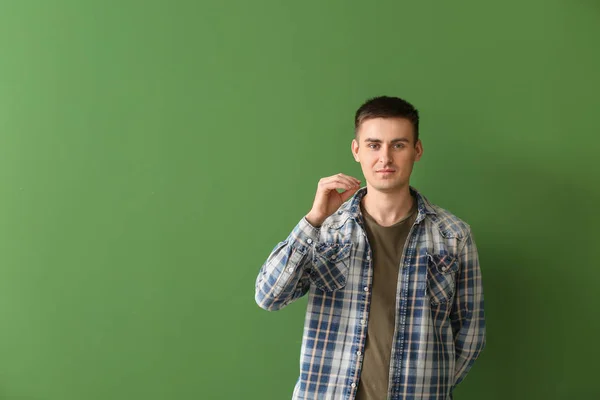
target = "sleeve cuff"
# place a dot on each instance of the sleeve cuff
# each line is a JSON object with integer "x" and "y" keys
{"x": 304, "y": 234}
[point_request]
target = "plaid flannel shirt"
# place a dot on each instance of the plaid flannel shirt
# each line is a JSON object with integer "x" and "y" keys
{"x": 440, "y": 323}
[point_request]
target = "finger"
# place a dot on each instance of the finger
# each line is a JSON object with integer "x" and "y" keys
{"x": 343, "y": 178}
{"x": 338, "y": 184}
{"x": 347, "y": 194}
{"x": 349, "y": 178}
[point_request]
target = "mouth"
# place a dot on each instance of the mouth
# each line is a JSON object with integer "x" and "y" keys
{"x": 386, "y": 171}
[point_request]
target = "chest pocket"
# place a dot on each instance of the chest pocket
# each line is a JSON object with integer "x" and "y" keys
{"x": 331, "y": 262}
{"x": 441, "y": 277}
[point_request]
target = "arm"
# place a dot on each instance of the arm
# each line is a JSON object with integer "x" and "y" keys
{"x": 467, "y": 316}
{"x": 283, "y": 278}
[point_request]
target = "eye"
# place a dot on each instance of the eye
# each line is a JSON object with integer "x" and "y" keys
{"x": 373, "y": 146}
{"x": 399, "y": 145}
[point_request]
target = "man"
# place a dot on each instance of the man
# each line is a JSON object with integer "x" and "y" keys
{"x": 395, "y": 306}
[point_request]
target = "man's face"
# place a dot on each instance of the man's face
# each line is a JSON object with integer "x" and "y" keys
{"x": 386, "y": 150}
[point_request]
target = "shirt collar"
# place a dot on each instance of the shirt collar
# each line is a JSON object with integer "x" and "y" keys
{"x": 352, "y": 207}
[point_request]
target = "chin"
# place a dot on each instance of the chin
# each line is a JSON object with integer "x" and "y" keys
{"x": 387, "y": 187}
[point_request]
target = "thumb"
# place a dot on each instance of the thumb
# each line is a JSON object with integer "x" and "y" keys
{"x": 347, "y": 194}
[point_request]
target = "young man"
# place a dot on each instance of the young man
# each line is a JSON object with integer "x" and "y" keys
{"x": 395, "y": 306}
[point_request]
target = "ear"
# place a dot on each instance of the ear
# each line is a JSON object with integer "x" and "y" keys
{"x": 419, "y": 149}
{"x": 355, "y": 150}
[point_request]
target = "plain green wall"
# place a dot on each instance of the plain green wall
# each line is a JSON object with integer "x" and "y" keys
{"x": 152, "y": 153}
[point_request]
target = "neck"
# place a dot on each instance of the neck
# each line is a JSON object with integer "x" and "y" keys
{"x": 387, "y": 208}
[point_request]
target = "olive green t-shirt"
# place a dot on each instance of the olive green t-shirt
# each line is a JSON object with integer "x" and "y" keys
{"x": 387, "y": 246}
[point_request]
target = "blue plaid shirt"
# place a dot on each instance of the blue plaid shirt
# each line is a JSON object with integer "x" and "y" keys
{"x": 440, "y": 324}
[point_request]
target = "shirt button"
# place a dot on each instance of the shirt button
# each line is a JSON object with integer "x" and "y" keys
{"x": 362, "y": 322}
{"x": 309, "y": 240}
{"x": 368, "y": 258}
{"x": 333, "y": 257}
{"x": 358, "y": 353}
{"x": 366, "y": 289}
{"x": 291, "y": 269}
{"x": 353, "y": 385}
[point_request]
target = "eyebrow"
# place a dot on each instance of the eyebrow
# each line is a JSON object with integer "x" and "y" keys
{"x": 370, "y": 140}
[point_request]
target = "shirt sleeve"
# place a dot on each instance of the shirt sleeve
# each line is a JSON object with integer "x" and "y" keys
{"x": 467, "y": 316}
{"x": 284, "y": 277}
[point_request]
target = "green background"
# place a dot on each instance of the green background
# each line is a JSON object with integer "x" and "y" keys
{"x": 152, "y": 153}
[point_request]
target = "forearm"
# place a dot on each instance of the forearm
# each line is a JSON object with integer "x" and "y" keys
{"x": 468, "y": 317}
{"x": 469, "y": 343}
{"x": 283, "y": 277}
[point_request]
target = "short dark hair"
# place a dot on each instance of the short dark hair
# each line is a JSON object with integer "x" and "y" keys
{"x": 387, "y": 107}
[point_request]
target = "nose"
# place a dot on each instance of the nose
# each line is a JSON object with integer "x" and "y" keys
{"x": 385, "y": 157}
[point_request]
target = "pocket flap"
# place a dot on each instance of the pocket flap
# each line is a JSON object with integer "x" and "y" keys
{"x": 444, "y": 262}
{"x": 333, "y": 251}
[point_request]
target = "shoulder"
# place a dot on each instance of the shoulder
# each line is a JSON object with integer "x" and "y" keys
{"x": 336, "y": 220}
{"x": 448, "y": 223}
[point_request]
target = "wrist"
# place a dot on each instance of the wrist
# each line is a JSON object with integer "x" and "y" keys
{"x": 315, "y": 220}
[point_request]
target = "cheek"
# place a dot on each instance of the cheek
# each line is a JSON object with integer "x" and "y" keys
{"x": 406, "y": 159}
{"x": 407, "y": 165}
{"x": 366, "y": 167}
{"x": 366, "y": 160}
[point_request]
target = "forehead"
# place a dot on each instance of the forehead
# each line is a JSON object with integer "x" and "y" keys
{"x": 385, "y": 129}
